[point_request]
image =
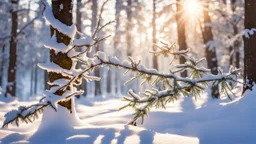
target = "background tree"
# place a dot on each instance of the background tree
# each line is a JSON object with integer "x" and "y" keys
{"x": 237, "y": 43}
{"x": 113, "y": 82}
{"x": 129, "y": 27}
{"x": 79, "y": 29}
{"x": 210, "y": 51}
{"x": 180, "y": 19}
{"x": 155, "y": 61}
{"x": 97, "y": 87}
{"x": 11, "y": 85}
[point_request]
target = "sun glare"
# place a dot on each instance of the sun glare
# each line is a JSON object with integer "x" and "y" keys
{"x": 191, "y": 7}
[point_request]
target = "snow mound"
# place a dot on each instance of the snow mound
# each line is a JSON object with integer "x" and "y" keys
{"x": 206, "y": 121}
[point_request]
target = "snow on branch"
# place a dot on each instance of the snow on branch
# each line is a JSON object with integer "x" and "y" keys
{"x": 57, "y": 47}
{"x": 173, "y": 86}
{"x": 49, "y": 17}
{"x": 249, "y": 32}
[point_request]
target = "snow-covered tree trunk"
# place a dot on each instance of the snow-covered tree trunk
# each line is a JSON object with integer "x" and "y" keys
{"x": 11, "y": 85}
{"x": 62, "y": 11}
{"x": 155, "y": 62}
{"x": 250, "y": 43}
{"x": 181, "y": 32}
{"x": 210, "y": 52}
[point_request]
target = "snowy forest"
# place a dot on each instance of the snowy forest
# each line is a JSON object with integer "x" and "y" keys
{"x": 127, "y": 71}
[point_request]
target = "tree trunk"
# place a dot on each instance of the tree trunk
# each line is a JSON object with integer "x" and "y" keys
{"x": 112, "y": 73}
{"x": 129, "y": 27}
{"x": 35, "y": 79}
{"x": 234, "y": 50}
{"x": 32, "y": 78}
{"x": 249, "y": 44}
{"x": 210, "y": 53}
{"x": 65, "y": 16}
{"x": 155, "y": 62}
{"x": 116, "y": 75}
{"x": 237, "y": 42}
{"x": 11, "y": 85}
{"x": 79, "y": 28}
{"x": 2, "y": 65}
{"x": 181, "y": 32}
{"x": 97, "y": 91}
{"x": 231, "y": 54}
{"x": 46, "y": 86}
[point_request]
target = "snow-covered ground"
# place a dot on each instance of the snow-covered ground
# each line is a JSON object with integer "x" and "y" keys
{"x": 205, "y": 121}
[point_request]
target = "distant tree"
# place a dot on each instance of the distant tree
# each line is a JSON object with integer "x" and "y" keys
{"x": 118, "y": 7}
{"x": 233, "y": 21}
{"x": 155, "y": 60}
{"x": 113, "y": 81}
{"x": 249, "y": 44}
{"x": 97, "y": 91}
{"x": 11, "y": 82}
{"x": 237, "y": 42}
{"x": 79, "y": 29}
{"x": 129, "y": 27}
{"x": 181, "y": 31}
{"x": 210, "y": 51}
{"x": 3, "y": 32}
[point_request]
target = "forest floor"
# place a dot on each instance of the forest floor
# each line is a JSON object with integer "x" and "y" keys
{"x": 186, "y": 121}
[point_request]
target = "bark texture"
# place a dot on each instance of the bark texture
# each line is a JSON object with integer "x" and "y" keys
{"x": 250, "y": 43}
{"x": 61, "y": 59}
